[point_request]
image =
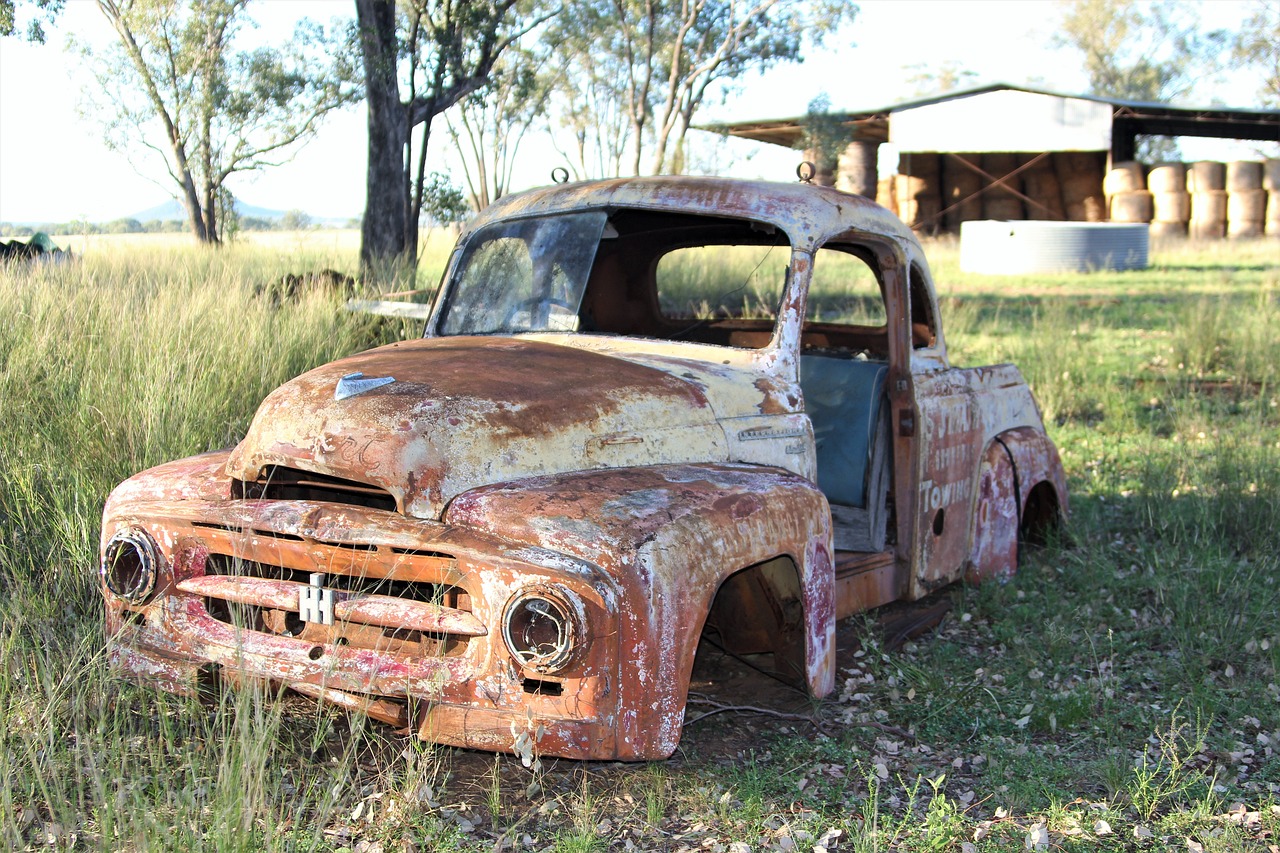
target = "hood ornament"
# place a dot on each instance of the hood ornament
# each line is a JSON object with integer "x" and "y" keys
{"x": 355, "y": 383}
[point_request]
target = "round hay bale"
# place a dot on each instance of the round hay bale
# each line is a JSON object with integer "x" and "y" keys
{"x": 1206, "y": 176}
{"x": 1243, "y": 175}
{"x": 885, "y": 195}
{"x": 1171, "y": 206}
{"x": 1077, "y": 188}
{"x": 1244, "y": 230}
{"x": 922, "y": 164}
{"x": 1246, "y": 206}
{"x": 960, "y": 199}
{"x": 1271, "y": 175}
{"x": 1166, "y": 230}
{"x": 1272, "y": 225}
{"x": 1001, "y": 207}
{"x": 824, "y": 167}
{"x": 999, "y": 163}
{"x": 1207, "y": 230}
{"x": 1124, "y": 177}
{"x": 1091, "y": 209}
{"x": 909, "y": 188}
{"x": 1042, "y": 187}
{"x": 1131, "y": 206}
{"x": 922, "y": 214}
{"x": 1209, "y": 206}
{"x": 1167, "y": 178}
{"x": 856, "y": 168}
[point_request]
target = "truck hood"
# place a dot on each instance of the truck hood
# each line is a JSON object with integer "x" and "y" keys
{"x": 468, "y": 411}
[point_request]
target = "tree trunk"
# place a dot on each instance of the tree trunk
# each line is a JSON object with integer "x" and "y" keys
{"x": 382, "y": 234}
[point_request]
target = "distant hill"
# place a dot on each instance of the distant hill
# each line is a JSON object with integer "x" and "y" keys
{"x": 172, "y": 209}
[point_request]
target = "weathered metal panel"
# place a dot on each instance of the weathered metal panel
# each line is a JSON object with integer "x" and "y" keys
{"x": 670, "y": 535}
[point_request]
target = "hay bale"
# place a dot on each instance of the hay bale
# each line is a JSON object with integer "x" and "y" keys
{"x": 1271, "y": 175}
{"x": 856, "y": 168}
{"x": 1209, "y": 206}
{"x": 1080, "y": 174}
{"x": 1124, "y": 177}
{"x": 1002, "y": 207}
{"x": 1168, "y": 230}
{"x": 920, "y": 164}
{"x": 1246, "y": 212}
{"x": 1207, "y": 230}
{"x": 1040, "y": 183}
{"x": 1271, "y": 227}
{"x": 1171, "y": 207}
{"x": 1132, "y": 206}
{"x": 1244, "y": 175}
{"x": 885, "y": 196}
{"x": 960, "y": 199}
{"x": 1206, "y": 176}
{"x": 1167, "y": 178}
{"x": 1092, "y": 209}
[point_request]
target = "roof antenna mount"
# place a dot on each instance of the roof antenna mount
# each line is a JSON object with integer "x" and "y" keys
{"x": 559, "y": 175}
{"x": 806, "y": 171}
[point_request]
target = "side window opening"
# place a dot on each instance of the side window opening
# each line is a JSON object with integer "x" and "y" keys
{"x": 924, "y": 326}
{"x": 845, "y": 311}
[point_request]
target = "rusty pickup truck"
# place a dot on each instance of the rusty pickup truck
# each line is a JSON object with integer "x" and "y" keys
{"x": 642, "y": 410}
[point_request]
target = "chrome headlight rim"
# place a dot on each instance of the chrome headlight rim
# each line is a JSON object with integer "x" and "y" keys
{"x": 131, "y": 565}
{"x": 543, "y": 628}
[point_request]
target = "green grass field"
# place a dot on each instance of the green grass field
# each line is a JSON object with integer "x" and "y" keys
{"x": 1121, "y": 693}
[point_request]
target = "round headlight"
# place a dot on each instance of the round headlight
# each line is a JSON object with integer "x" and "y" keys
{"x": 542, "y": 629}
{"x": 130, "y": 565}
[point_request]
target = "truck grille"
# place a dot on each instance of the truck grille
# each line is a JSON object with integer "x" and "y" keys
{"x": 279, "y": 483}
{"x": 415, "y": 618}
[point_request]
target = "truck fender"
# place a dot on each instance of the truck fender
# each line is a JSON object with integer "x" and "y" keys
{"x": 1021, "y": 490}
{"x": 669, "y": 536}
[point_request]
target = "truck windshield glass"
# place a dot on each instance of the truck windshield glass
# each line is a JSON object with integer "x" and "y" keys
{"x": 527, "y": 275}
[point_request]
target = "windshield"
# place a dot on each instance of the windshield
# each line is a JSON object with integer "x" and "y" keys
{"x": 526, "y": 275}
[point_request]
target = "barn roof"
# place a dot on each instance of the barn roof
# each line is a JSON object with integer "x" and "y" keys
{"x": 1003, "y": 117}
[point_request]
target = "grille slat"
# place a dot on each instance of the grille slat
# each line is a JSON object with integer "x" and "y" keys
{"x": 381, "y": 610}
{"x": 280, "y": 483}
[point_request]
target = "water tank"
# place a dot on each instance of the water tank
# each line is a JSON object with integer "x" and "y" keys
{"x": 990, "y": 246}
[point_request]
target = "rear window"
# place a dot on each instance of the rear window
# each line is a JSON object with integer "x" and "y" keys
{"x": 722, "y": 282}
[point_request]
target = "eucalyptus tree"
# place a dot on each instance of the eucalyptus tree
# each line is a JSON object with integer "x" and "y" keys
{"x": 1256, "y": 46}
{"x": 421, "y": 57}
{"x": 1140, "y": 51}
{"x": 175, "y": 83}
{"x": 40, "y": 13}
{"x": 667, "y": 57}
{"x": 488, "y": 128}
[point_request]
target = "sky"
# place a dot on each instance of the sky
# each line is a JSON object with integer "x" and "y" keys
{"x": 55, "y": 167}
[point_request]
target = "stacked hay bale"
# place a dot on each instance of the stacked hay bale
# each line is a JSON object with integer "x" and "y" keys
{"x": 1041, "y": 185}
{"x": 824, "y": 167}
{"x": 856, "y": 168}
{"x": 1246, "y": 199}
{"x": 918, "y": 190}
{"x": 1170, "y": 201}
{"x": 961, "y": 201}
{"x": 886, "y": 195}
{"x": 1125, "y": 187}
{"x": 1207, "y": 182}
{"x": 998, "y": 202}
{"x": 1271, "y": 183}
{"x": 1080, "y": 174}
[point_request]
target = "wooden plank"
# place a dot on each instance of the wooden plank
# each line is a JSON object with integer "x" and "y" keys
{"x": 387, "y": 308}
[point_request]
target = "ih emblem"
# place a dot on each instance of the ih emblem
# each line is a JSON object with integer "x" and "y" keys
{"x": 315, "y": 603}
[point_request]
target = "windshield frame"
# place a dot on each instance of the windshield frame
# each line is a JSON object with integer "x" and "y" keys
{"x": 544, "y": 245}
